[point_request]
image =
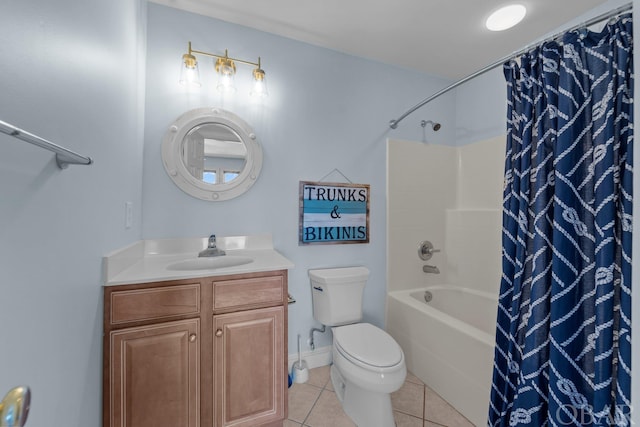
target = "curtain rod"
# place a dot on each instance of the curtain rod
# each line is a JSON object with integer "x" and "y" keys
{"x": 595, "y": 20}
{"x": 64, "y": 156}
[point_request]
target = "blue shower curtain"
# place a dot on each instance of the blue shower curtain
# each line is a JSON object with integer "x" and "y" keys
{"x": 563, "y": 348}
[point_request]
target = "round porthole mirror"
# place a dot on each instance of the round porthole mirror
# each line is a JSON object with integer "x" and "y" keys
{"x": 211, "y": 154}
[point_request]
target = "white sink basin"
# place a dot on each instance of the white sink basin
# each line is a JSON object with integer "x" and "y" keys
{"x": 209, "y": 263}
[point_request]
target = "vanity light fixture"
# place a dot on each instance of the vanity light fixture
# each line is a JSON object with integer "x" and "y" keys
{"x": 226, "y": 69}
{"x": 506, "y": 17}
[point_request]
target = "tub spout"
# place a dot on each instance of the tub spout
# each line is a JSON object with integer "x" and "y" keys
{"x": 431, "y": 269}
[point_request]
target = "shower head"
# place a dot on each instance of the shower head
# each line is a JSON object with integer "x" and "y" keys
{"x": 435, "y": 126}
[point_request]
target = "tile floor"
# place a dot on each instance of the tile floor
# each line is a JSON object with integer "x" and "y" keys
{"x": 314, "y": 404}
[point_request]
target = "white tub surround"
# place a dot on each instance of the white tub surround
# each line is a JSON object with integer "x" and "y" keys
{"x": 148, "y": 260}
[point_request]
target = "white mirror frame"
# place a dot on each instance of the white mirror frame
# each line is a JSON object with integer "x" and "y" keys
{"x": 172, "y": 158}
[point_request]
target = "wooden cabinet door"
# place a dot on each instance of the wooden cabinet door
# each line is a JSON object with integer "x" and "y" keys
{"x": 155, "y": 375}
{"x": 249, "y": 367}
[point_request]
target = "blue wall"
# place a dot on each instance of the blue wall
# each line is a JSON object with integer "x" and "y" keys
{"x": 70, "y": 72}
{"x": 326, "y": 110}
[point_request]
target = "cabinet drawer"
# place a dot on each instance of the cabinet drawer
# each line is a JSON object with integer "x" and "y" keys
{"x": 249, "y": 293}
{"x": 154, "y": 303}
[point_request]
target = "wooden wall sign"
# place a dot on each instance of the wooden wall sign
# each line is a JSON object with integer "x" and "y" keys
{"x": 333, "y": 213}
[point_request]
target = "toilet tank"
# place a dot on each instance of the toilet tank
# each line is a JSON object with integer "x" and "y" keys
{"x": 337, "y": 294}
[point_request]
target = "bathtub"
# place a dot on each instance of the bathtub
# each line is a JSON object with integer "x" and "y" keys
{"x": 448, "y": 343}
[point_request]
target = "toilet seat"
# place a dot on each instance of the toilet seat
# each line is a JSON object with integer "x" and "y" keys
{"x": 367, "y": 346}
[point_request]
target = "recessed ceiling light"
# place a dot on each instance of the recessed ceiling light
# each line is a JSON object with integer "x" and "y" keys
{"x": 506, "y": 17}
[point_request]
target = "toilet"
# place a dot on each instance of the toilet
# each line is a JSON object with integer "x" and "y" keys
{"x": 368, "y": 364}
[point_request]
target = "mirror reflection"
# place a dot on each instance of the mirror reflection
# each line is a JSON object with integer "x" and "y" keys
{"x": 211, "y": 154}
{"x": 214, "y": 153}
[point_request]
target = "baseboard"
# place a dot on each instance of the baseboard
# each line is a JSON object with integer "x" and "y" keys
{"x": 314, "y": 359}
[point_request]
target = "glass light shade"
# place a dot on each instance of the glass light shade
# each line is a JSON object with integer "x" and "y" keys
{"x": 189, "y": 74}
{"x": 226, "y": 69}
{"x": 506, "y": 17}
{"x": 259, "y": 89}
{"x": 226, "y": 83}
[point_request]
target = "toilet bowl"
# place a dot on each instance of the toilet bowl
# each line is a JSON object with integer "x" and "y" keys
{"x": 368, "y": 364}
{"x": 368, "y": 357}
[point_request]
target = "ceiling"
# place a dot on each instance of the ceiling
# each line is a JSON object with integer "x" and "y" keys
{"x": 444, "y": 38}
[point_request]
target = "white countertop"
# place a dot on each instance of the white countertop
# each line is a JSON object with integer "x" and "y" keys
{"x": 147, "y": 260}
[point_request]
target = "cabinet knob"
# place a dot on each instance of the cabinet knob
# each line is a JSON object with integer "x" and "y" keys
{"x": 192, "y": 338}
{"x": 219, "y": 333}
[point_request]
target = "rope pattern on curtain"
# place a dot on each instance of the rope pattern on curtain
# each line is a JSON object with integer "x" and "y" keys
{"x": 563, "y": 338}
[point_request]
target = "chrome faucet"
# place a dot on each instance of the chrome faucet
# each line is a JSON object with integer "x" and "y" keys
{"x": 425, "y": 252}
{"x": 431, "y": 269}
{"x": 212, "y": 250}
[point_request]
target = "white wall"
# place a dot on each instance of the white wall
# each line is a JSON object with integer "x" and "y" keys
{"x": 69, "y": 74}
{"x": 326, "y": 110}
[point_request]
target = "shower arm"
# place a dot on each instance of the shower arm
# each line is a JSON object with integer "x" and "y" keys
{"x": 393, "y": 124}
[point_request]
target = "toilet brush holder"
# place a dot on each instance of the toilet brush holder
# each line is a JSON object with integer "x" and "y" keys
{"x": 300, "y": 372}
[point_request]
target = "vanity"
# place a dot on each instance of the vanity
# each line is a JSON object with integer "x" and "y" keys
{"x": 194, "y": 341}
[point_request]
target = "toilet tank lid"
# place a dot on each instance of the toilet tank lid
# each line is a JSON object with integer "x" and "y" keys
{"x": 337, "y": 275}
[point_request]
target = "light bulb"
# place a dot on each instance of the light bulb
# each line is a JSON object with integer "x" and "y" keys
{"x": 259, "y": 89}
{"x": 506, "y": 17}
{"x": 226, "y": 69}
{"x": 189, "y": 74}
{"x": 226, "y": 84}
